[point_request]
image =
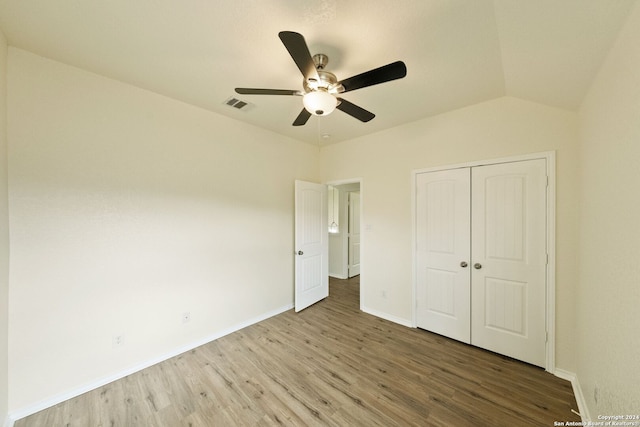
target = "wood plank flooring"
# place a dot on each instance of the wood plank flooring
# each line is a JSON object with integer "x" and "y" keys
{"x": 329, "y": 365}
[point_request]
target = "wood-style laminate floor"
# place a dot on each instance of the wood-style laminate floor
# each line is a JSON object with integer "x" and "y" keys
{"x": 330, "y": 364}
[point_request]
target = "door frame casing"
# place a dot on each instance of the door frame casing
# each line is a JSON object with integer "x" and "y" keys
{"x": 350, "y": 214}
{"x": 550, "y": 289}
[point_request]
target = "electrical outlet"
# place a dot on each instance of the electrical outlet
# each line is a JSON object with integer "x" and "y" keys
{"x": 186, "y": 317}
{"x": 118, "y": 341}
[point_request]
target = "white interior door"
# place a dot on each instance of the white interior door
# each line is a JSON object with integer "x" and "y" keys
{"x": 442, "y": 250}
{"x": 311, "y": 243}
{"x": 508, "y": 278}
{"x": 354, "y": 233}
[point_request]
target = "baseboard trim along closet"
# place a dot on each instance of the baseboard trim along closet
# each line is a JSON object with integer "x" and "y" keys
{"x": 54, "y": 400}
{"x": 386, "y": 316}
{"x": 577, "y": 391}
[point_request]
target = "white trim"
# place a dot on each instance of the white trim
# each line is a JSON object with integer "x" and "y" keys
{"x": 520, "y": 158}
{"x": 583, "y": 410}
{"x": 54, "y": 400}
{"x": 345, "y": 181}
{"x": 414, "y": 250}
{"x": 386, "y": 316}
{"x": 550, "y": 364}
{"x": 550, "y": 157}
{"x": 8, "y": 422}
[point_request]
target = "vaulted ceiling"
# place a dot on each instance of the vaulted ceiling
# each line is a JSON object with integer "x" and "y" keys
{"x": 457, "y": 52}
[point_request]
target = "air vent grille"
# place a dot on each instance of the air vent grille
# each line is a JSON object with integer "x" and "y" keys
{"x": 238, "y": 104}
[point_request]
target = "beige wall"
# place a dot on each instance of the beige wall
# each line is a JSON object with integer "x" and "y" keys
{"x": 4, "y": 233}
{"x": 494, "y": 129}
{"x": 128, "y": 209}
{"x": 609, "y": 292}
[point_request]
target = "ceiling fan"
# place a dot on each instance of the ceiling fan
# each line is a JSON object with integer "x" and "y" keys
{"x": 321, "y": 88}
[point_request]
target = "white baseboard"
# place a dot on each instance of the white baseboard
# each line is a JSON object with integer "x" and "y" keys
{"x": 39, "y": 406}
{"x": 386, "y": 316}
{"x": 577, "y": 391}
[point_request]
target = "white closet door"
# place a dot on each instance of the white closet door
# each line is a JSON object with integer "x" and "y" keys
{"x": 508, "y": 278}
{"x": 442, "y": 249}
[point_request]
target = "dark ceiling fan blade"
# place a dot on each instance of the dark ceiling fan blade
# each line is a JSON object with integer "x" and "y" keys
{"x": 297, "y": 47}
{"x": 354, "y": 111}
{"x": 252, "y": 91}
{"x": 302, "y": 118}
{"x": 386, "y": 73}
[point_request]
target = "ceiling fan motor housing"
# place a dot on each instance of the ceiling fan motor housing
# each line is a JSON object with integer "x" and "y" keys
{"x": 327, "y": 80}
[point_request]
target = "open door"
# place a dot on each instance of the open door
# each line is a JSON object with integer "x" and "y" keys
{"x": 311, "y": 244}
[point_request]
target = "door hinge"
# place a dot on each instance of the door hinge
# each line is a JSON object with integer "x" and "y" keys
{"x": 547, "y": 180}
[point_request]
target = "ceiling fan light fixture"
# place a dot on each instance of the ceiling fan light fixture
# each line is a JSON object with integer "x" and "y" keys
{"x": 319, "y": 102}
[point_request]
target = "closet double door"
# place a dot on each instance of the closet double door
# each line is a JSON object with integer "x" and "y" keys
{"x": 481, "y": 256}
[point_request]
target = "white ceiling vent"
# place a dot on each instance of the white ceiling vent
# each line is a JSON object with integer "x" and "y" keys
{"x": 238, "y": 104}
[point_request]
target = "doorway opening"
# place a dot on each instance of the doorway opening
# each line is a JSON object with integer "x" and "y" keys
{"x": 344, "y": 202}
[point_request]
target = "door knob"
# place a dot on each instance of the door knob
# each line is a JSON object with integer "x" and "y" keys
{"x": 463, "y": 264}
{"x": 300, "y": 253}
{"x": 477, "y": 266}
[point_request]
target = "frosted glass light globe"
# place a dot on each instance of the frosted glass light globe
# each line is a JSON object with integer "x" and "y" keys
{"x": 319, "y": 102}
